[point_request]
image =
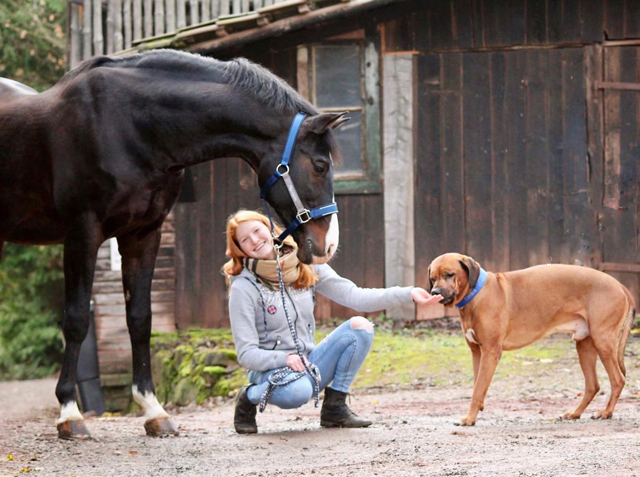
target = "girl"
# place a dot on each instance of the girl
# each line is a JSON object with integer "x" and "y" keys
{"x": 262, "y": 336}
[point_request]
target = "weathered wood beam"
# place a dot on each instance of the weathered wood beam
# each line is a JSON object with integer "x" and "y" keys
{"x": 127, "y": 23}
{"x": 137, "y": 20}
{"x": 159, "y": 17}
{"x": 399, "y": 268}
{"x": 617, "y": 85}
{"x": 288, "y": 25}
{"x": 75, "y": 54}
{"x": 98, "y": 39}
{"x": 87, "y": 31}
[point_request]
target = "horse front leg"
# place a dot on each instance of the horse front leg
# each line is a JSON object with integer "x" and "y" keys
{"x": 138, "y": 262}
{"x": 80, "y": 250}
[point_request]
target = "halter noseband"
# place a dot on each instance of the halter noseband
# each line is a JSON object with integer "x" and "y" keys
{"x": 303, "y": 215}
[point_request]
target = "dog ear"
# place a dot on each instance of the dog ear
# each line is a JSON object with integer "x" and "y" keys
{"x": 429, "y": 286}
{"x": 472, "y": 268}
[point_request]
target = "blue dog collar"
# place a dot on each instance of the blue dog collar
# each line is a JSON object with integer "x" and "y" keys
{"x": 482, "y": 279}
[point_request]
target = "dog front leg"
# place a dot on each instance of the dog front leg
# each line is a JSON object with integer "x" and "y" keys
{"x": 489, "y": 359}
{"x": 475, "y": 354}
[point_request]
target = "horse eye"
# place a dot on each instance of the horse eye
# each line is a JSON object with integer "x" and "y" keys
{"x": 320, "y": 167}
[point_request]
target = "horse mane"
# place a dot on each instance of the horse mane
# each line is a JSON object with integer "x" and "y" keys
{"x": 266, "y": 86}
{"x": 240, "y": 72}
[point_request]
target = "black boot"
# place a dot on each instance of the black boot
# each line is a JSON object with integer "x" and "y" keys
{"x": 335, "y": 412}
{"x": 244, "y": 418}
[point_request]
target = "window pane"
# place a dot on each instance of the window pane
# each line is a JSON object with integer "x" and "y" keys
{"x": 349, "y": 137}
{"x": 338, "y": 73}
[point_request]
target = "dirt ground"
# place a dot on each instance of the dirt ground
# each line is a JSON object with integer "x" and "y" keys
{"x": 412, "y": 435}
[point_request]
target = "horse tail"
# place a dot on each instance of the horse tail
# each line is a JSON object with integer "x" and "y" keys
{"x": 630, "y": 312}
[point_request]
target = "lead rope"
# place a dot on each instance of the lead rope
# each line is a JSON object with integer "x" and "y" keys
{"x": 277, "y": 378}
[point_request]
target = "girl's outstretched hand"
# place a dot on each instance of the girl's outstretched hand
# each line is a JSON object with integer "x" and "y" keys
{"x": 423, "y": 297}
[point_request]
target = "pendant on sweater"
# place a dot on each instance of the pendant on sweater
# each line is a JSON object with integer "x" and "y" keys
{"x": 272, "y": 309}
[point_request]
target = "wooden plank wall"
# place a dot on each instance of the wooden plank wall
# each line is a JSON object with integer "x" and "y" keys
{"x": 620, "y": 216}
{"x": 114, "y": 346}
{"x": 502, "y": 104}
{"x": 467, "y": 24}
{"x": 501, "y": 169}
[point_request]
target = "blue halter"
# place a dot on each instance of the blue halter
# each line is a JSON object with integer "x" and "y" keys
{"x": 482, "y": 279}
{"x": 303, "y": 215}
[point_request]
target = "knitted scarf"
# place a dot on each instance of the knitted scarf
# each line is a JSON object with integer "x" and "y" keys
{"x": 266, "y": 271}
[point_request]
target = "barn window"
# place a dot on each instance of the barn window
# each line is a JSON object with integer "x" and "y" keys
{"x": 342, "y": 75}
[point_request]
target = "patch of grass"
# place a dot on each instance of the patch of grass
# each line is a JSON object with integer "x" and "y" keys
{"x": 199, "y": 364}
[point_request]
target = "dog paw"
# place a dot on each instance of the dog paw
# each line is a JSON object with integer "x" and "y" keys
{"x": 569, "y": 416}
{"x": 465, "y": 422}
{"x": 602, "y": 415}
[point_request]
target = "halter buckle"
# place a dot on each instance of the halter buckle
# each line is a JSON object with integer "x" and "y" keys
{"x": 304, "y": 216}
{"x": 286, "y": 169}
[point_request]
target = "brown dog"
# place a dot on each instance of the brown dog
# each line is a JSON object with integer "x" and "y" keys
{"x": 514, "y": 309}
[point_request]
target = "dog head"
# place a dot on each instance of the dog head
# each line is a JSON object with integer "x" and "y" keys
{"x": 452, "y": 276}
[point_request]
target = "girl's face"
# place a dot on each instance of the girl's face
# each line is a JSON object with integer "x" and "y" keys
{"x": 255, "y": 240}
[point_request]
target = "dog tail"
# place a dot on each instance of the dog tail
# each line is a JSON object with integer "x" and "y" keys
{"x": 630, "y": 313}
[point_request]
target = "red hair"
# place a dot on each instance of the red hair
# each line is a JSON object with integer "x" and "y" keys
{"x": 234, "y": 266}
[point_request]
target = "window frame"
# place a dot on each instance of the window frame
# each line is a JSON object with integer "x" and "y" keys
{"x": 369, "y": 182}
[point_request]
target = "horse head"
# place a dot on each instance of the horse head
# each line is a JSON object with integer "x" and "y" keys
{"x": 311, "y": 172}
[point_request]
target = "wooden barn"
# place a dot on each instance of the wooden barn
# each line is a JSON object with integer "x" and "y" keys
{"x": 504, "y": 130}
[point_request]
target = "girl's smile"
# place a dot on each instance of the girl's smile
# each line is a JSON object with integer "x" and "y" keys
{"x": 255, "y": 240}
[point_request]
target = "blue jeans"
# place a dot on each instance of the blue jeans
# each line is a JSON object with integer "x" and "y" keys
{"x": 338, "y": 357}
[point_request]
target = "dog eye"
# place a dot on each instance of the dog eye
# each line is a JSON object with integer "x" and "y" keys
{"x": 449, "y": 276}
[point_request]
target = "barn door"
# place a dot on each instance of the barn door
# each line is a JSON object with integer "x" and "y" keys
{"x": 616, "y": 90}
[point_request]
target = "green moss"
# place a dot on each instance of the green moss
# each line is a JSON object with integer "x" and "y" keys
{"x": 194, "y": 365}
{"x": 216, "y": 370}
{"x": 234, "y": 381}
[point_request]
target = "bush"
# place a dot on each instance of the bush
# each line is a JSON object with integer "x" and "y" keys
{"x": 32, "y": 291}
{"x": 32, "y": 44}
{"x": 32, "y": 41}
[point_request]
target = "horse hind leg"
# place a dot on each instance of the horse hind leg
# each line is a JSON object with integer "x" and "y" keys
{"x": 588, "y": 357}
{"x": 138, "y": 262}
{"x": 80, "y": 251}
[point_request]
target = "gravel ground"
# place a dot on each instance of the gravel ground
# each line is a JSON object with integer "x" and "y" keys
{"x": 412, "y": 435}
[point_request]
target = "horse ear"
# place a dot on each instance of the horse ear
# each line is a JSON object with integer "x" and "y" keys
{"x": 320, "y": 123}
{"x": 472, "y": 268}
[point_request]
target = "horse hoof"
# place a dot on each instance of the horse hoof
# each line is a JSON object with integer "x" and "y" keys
{"x": 73, "y": 430}
{"x": 161, "y": 427}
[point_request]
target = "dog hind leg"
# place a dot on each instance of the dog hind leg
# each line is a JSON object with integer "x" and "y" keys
{"x": 588, "y": 357}
{"x": 609, "y": 357}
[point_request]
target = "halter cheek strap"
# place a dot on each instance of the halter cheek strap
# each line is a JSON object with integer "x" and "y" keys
{"x": 303, "y": 215}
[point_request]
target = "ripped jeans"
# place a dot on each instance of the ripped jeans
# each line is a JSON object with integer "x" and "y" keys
{"x": 339, "y": 357}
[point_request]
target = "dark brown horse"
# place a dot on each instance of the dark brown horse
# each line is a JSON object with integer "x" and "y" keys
{"x": 102, "y": 154}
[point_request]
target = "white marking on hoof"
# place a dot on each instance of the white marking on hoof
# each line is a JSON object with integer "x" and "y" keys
{"x": 70, "y": 412}
{"x": 149, "y": 404}
{"x": 471, "y": 336}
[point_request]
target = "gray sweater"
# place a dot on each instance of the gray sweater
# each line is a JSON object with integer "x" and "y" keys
{"x": 260, "y": 330}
